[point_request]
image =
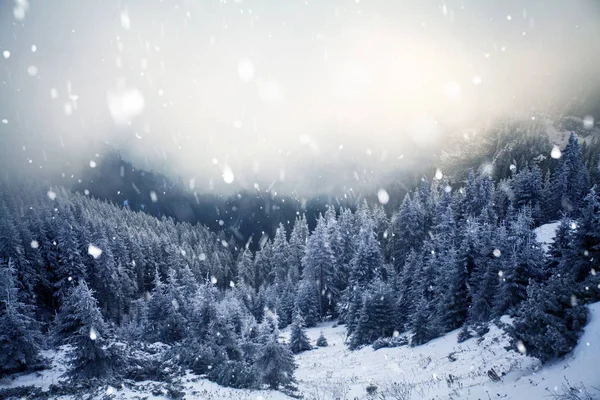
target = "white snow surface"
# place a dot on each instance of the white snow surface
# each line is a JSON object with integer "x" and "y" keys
{"x": 323, "y": 371}
{"x": 545, "y": 234}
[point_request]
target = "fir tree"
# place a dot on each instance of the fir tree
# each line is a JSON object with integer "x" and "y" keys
{"x": 306, "y": 302}
{"x": 80, "y": 324}
{"x": 275, "y": 364}
{"x": 376, "y": 316}
{"x": 19, "y": 332}
{"x": 322, "y": 341}
{"x": 549, "y": 322}
{"x": 318, "y": 266}
{"x": 298, "y": 339}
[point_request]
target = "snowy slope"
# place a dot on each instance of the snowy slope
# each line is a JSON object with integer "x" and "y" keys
{"x": 440, "y": 369}
{"x": 324, "y": 372}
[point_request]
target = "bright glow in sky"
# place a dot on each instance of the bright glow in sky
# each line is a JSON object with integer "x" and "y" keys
{"x": 265, "y": 86}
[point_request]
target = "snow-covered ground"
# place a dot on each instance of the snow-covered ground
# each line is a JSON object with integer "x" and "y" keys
{"x": 545, "y": 234}
{"x": 441, "y": 369}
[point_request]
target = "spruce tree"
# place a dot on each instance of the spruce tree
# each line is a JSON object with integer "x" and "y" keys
{"x": 79, "y": 323}
{"x": 549, "y": 322}
{"x": 20, "y": 338}
{"x": 306, "y": 302}
{"x": 275, "y": 364}
{"x": 318, "y": 266}
{"x": 376, "y": 316}
{"x": 322, "y": 341}
{"x": 298, "y": 339}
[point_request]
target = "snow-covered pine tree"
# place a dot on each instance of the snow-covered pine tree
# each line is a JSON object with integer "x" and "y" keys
{"x": 453, "y": 303}
{"x": 366, "y": 265}
{"x": 318, "y": 266}
{"x": 521, "y": 264}
{"x": 581, "y": 261}
{"x": 281, "y": 256}
{"x": 165, "y": 322}
{"x": 71, "y": 268}
{"x": 297, "y": 247}
{"x": 275, "y": 364}
{"x": 570, "y": 180}
{"x": 246, "y": 269}
{"x": 298, "y": 339}
{"x": 408, "y": 231}
{"x": 20, "y": 337}
{"x": 307, "y": 302}
{"x": 376, "y": 315}
{"x": 79, "y": 323}
{"x": 549, "y": 322}
{"x": 322, "y": 341}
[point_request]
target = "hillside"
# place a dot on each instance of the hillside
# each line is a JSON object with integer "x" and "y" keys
{"x": 440, "y": 369}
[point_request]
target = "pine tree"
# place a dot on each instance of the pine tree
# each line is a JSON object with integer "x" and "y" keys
{"x": 375, "y": 320}
{"x": 165, "y": 321}
{"x": 306, "y": 302}
{"x": 322, "y": 341}
{"x": 281, "y": 256}
{"x": 453, "y": 302}
{"x": 71, "y": 267}
{"x": 571, "y": 179}
{"x": 297, "y": 247}
{"x": 366, "y": 265}
{"x": 246, "y": 270}
{"x": 581, "y": 261}
{"x": 275, "y": 364}
{"x": 549, "y": 322}
{"x": 19, "y": 332}
{"x": 298, "y": 339}
{"x": 408, "y": 231}
{"x": 80, "y": 324}
{"x": 318, "y": 266}
{"x": 522, "y": 263}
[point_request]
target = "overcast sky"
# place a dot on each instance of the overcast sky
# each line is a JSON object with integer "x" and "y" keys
{"x": 309, "y": 94}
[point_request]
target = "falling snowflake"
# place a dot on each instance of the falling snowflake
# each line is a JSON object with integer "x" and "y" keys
{"x": 33, "y": 48}
{"x": 438, "y": 174}
{"x": 94, "y": 251}
{"x": 125, "y": 104}
{"x": 125, "y": 21}
{"x": 20, "y": 9}
{"x": 32, "y": 70}
{"x": 383, "y": 196}
{"x": 231, "y": 284}
{"x": 34, "y": 244}
{"x": 4, "y": 121}
{"x": 202, "y": 257}
{"x": 153, "y": 196}
{"x": 555, "y": 153}
{"x": 477, "y": 80}
{"x": 521, "y": 347}
{"x": 588, "y": 122}
{"x": 92, "y": 164}
{"x": 51, "y": 195}
{"x": 6, "y": 54}
{"x": 213, "y": 280}
{"x": 93, "y": 334}
{"x": 228, "y": 176}
{"x": 497, "y": 253}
